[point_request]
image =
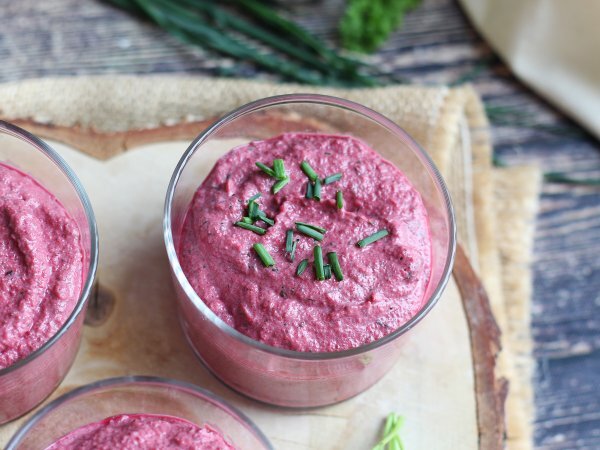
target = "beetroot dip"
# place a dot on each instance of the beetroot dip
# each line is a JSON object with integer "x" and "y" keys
{"x": 41, "y": 265}
{"x": 142, "y": 431}
{"x": 384, "y": 283}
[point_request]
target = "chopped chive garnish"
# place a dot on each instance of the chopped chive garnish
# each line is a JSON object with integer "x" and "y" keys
{"x": 246, "y": 219}
{"x": 318, "y": 255}
{"x": 308, "y": 171}
{"x": 249, "y": 226}
{"x": 332, "y": 178}
{"x": 309, "y": 190}
{"x": 317, "y": 189}
{"x": 289, "y": 240}
{"x": 253, "y": 210}
{"x": 254, "y": 197}
{"x": 265, "y": 169}
{"x": 327, "y": 271}
{"x": 335, "y": 265}
{"x": 279, "y": 185}
{"x": 279, "y": 169}
{"x": 314, "y": 227}
{"x": 372, "y": 238}
{"x": 391, "y": 433}
{"x": 293, "y": 252}
{"x": 301, "y": 267}
{"x": 263, "y": 254}
{"x": 262, "y": 216}
{"x": 310, "y": 232}
{"x": 339, "y": 199}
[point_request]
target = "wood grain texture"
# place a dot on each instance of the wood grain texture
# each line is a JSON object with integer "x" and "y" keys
{"x": 436, "y": 45}
{"x": 133, "y": 326}
{"x": 485, "y": 345}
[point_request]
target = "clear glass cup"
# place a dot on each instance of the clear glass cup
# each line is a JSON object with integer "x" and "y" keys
{"x": 26, "y": 383}
{"x": 279, "y": 376}
{"x": 137, "y": 395}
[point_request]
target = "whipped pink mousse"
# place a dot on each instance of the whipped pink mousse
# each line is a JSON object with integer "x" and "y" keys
{"x": 41, "y": 265}
{"x": 384, "y": 283}
{"x": 142, "y": 431}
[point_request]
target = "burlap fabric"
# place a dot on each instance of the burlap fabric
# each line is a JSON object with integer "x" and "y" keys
{"x": 495, "y": 208}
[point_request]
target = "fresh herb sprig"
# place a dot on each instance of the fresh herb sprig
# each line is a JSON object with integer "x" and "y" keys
{"x": 240, "y": 29}
{"x": 278, "y": 172}
{"x": 301, "y": 267}
{"x": 318, "y": 263}
{"x": 372, "y": 238}
{"x": 332, "y": 178}
{"x": 309, "y": 171}
{"x": 309, "y": 231}
{"x": 251, "y": 227}
{"x": 335, "y": 265}
{"x": 290, "y": 244}
{"x": 255, "y": 214}
{"x": 264, "y": 255}
{"x": 366, "y": 24}
{"x": 339, "y": 199}
{"x": 391, "y": 434}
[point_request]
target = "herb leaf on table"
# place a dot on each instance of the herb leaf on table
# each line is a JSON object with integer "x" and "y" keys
{"x": 242, "y": 29}
{"x": 366, "y": 24}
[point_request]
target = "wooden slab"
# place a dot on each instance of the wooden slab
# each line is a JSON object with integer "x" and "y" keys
{"x": 132, "y": 329}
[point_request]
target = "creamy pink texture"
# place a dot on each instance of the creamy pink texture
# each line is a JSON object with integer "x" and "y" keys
{"x": 41, "y": 265}
{"x": 142, "y": 431}
{"x": 384, "y": 282}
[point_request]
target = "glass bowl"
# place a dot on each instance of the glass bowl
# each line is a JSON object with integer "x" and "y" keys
{"x": 26, "y": 383}
{"x": 136, "y": 395}
{"x": 279, "y": 376}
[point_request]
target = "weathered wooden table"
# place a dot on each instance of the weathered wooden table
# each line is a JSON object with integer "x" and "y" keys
{"x": 436, "y": 45}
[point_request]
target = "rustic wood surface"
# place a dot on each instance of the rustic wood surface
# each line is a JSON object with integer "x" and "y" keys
{"x": 436, "y": 45}
{"x": 485, "y": 345}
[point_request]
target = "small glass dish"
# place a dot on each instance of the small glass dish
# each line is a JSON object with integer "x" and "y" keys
{"x": 275, "y": 375}
{"x": 137, "y": 395}
{"x": 24, "y": 384}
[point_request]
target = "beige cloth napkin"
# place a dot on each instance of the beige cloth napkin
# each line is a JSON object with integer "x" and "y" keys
{"x": 554, "y": 46}
{"x": 495, "y": 208}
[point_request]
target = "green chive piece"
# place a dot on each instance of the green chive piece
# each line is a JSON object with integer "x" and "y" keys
{"x": 309, "y": 190}
{"x": 289, "y": 240}
{"x": 301, "y": 267}
{"x": 327, "y": 270}
{"x": 310, "y": 232}
{"x": 332, "y": 178}
{"x": 293, "y": 252}
{"x": 318, "y": 255}
{"x": 279, "y": 185}
{"x": 265, "y": 169}
{"x": 253, "y": 210}
{"x": 254, "y": 197}
{"x": 314, "y": 227}
{"x": 317, "y": 189}
{"x": 262, "y": 216}
{"x": 279, "y": 169}
{"x": 249, "y": 226}
{"x": 263, "y": 254}
{"x": 335, "y": 265}
{"x": 372, "y": 238}
{"x": 309, "y": 171}
{"x": 247, "y": 219}
{"x": 339, "y": 199}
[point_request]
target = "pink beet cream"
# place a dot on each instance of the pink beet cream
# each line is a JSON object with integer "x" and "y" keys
{"x": 142, "y": 431}
{"x": 384, "y": 283}
{"x": 41, "y": 265}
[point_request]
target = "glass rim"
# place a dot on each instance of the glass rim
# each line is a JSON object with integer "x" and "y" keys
{"x": 330, "y": 101}
{"x": 37, "y": 143}
{"x": 123, "y": 381}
